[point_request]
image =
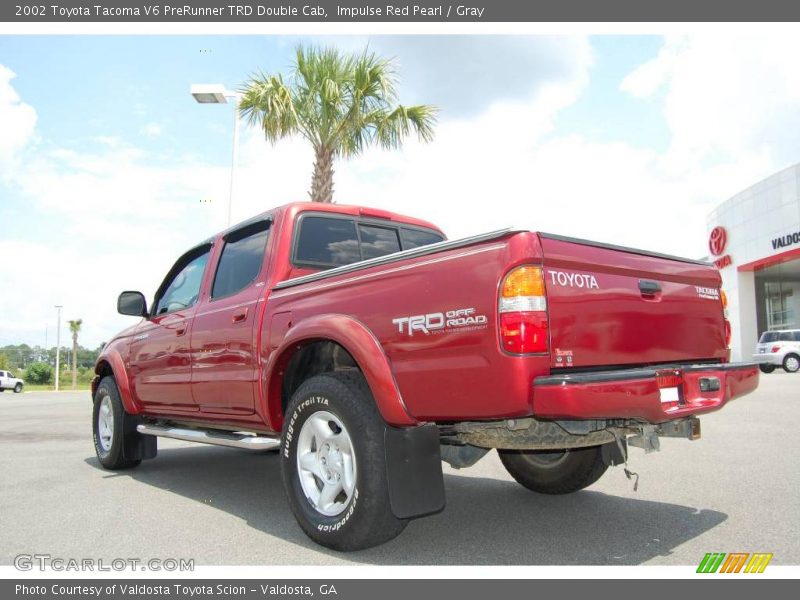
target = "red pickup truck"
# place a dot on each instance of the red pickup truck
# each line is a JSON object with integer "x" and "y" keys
{"x": 367, "y": 349}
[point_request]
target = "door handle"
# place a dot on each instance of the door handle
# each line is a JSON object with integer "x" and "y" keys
{"x": 648, "y": 287}
{"x": 240, "y": 316}
{"x": 180, "y": 329}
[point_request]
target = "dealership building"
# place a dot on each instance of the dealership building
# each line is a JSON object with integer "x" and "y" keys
{"x": 754, "y": 238}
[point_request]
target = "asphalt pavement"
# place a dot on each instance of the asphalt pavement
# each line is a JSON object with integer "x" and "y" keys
{"x": 735, "y": 490}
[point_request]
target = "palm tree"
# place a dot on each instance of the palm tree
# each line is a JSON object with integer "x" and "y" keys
{"x": 75, "y": 327}
{"x": 339, "y": 102}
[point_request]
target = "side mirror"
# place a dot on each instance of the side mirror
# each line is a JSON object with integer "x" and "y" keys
{"x": 132, "y": 303}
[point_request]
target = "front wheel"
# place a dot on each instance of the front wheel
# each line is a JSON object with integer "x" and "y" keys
{"x": 555, "y": 471}
{"x": 111, "y": 425}
{"x": 18, "y": 388}
{"x": 766, "y": 368}
{"x": 333, "y": 463}
{"x": 791, "y": 364}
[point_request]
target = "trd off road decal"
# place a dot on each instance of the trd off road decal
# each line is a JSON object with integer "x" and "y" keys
{"x": 460, "y": 319}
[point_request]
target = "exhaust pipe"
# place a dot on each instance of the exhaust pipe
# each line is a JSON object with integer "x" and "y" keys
{"x": 245, "y": 441}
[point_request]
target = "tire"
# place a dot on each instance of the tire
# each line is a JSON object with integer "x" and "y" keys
{"x": 333, "y": 421}
{"x": 111, "y": 425}
{"x": 18, "y": 388}
{"x": 766, "y": 368}
{"x": 791, "y": 363}
{"x": 555, "y": 471}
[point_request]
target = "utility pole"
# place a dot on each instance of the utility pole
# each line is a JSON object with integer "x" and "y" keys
{"x": 58, "y": 343}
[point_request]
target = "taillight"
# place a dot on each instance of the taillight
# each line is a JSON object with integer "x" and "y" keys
{"x": 775, "y": 349}
{"x": 724, "y": 299}
{"x": 523, "y": 311}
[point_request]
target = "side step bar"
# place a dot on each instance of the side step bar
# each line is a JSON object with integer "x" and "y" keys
{"x": 218, "y": 438}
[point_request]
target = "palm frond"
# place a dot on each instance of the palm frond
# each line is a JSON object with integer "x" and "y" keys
{"x": 266, "y": 101}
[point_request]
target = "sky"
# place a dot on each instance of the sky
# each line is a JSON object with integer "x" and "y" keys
{"x": 109, "y": 170}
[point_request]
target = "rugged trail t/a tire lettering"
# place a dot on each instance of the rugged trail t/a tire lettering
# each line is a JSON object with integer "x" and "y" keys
{"x": 555, "y": 471}
{"x": 333, "y": 463}
{"x": 110, "y": 426}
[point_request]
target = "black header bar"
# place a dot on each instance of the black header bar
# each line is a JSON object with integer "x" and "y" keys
{"x": 420, "y": 11}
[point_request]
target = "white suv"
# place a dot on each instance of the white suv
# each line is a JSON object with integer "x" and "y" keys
{"x": 779, "y": 348}
{"x": 9, "y": 382}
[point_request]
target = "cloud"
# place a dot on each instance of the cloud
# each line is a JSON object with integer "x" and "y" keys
{"x": 151, "y": 130}
{"x": 726, "y": 97}
{"x": 463, "y": 74}
{"x": 17, "y": 120}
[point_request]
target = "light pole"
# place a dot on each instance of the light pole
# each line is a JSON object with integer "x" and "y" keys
{"x": 58, "y": 343}
{"x": 216, "y": 93}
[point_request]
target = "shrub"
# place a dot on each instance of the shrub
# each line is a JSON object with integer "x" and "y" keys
{"x": 39, "y": 373}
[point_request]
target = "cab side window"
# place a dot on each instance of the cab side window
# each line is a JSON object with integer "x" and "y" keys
{"x": 241, "y": 260}
{"x": 325, "y": 242}
{"x": 181, "y": 288}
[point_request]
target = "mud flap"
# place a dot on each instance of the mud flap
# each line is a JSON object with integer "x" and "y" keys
{"x": 135, "y": 445}
{"x": 414, "y": 470}
{"x": 615, "y": 453}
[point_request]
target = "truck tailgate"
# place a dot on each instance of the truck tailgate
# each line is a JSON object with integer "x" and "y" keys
{"x": 611, "y": 306}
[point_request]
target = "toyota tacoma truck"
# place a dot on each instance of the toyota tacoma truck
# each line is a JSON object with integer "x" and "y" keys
{"x": 366, "y": 349}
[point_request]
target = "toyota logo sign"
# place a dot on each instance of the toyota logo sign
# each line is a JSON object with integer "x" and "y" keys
{"x": 717, "y": 240}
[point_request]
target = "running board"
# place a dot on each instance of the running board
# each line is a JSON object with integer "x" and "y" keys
{"x": 215, "y": 437}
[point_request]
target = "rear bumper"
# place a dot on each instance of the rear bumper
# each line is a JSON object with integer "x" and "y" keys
{"x": 772, "y": 358}
{"x": 634, "y": 393}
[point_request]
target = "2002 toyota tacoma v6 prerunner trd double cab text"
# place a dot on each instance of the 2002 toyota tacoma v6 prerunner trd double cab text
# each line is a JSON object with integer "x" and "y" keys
{"x": 367, "y": 349}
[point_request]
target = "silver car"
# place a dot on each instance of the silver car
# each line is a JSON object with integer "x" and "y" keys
{"x": 9, "y": 382}
{"x": 780, "y": 348}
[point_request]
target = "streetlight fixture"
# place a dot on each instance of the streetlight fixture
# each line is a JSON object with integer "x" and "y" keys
{"x": 216, "y": 93}
{"x": 58, "y": 343}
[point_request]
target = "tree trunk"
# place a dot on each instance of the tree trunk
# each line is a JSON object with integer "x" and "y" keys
{"x": 322, "y": 178}
{"x": 75, "y": 361}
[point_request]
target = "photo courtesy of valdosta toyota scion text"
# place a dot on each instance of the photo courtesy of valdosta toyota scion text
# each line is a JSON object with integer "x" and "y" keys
{"x": 278, "y": 298}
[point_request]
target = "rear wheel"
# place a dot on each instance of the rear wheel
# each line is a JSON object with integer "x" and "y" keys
{"x": 791, "y": 364}
{"x": 555, "y": 471}
{"x": 766, "y": 368}
{"x": 333, "y": 463}
{"x": 111, "y": 425}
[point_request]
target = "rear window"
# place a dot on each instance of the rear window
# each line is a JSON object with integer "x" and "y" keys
{"x": 378, "y": 241}
{"x": 779, "y": 336}
{"x": 414, "y": 238}
{"x": 324, "y": 242}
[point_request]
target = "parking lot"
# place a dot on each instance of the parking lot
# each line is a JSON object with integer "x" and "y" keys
{"x": 735, "y": 490}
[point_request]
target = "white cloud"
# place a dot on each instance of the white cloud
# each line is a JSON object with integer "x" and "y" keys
{"x": 17, "y": 120}
{"x": 151, "y": 130}
{"x": 727, "y": 97}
